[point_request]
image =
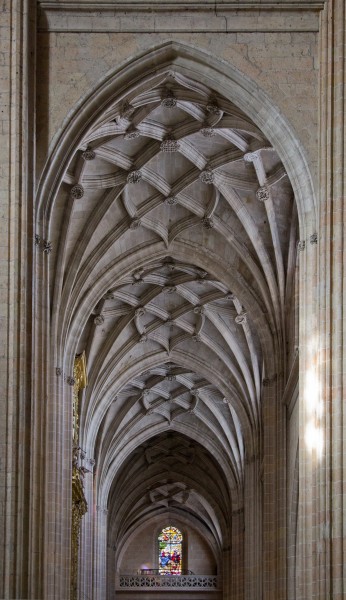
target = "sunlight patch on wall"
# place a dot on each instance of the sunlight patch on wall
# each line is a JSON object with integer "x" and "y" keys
{"x": 314, "y": 437}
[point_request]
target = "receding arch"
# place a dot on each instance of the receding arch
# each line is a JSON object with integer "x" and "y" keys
{"x": 156, "y": 522}
{"x": 70, "y": 313}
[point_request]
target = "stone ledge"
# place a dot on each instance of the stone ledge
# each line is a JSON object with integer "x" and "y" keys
{"x": 173, "y": 17}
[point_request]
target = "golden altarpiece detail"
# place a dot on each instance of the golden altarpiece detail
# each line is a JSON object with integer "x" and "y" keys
{"x": 79, "y": 504}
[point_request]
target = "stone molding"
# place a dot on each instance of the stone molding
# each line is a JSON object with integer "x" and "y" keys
{"x": 232, "y": 16}
{"x": 291, "y": 392}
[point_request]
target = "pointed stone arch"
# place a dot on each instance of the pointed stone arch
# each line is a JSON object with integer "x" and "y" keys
{"x": 67, "y": 321}
{"x": 221, "y": 76}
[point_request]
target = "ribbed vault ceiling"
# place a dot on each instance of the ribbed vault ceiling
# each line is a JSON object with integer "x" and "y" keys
{"x": 177, "y": 250}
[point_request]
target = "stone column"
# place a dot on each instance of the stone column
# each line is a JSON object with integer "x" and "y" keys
{"x": 332, "y": 515}
{"x": 225, "y": 580}
{"x": 100, "y": 553}
{"x": 321, "y": 571}
{"x": 322, "y": 564}
{"x": 309, "y": 448}
{"x": 291, "y": 401}
{"x": 253, "y": 529}
{"x": 58, "y": 480}
{"x": 235, "y": 583}
{"x": 111, "y": 572}
{"x": 274, "y": 490}
{"x": 19, "y": 500}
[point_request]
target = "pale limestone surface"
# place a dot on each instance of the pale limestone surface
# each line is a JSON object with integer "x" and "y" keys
{"x": 206, "y": 285}
{"x": 285, "y": 66}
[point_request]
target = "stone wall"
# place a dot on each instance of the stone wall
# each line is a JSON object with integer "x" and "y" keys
{"x": 49, "y": 67}
{"x": 142, "y": 550}
{"x": 283, "y": 64}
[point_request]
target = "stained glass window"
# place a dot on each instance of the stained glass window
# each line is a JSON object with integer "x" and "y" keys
{"x": 170, "y": 551}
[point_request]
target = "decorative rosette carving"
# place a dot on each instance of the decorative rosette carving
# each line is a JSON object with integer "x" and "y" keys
{"x": 88, "y": 154}
{"x": 134, "y": 177}
{"x": 208, "y": 222}
{"x": 169, "y": 289}
{"x": 262, "y": 194}
{"x": 208, "y": 131}
{"x": 207, "y": 176}
{"x": 132, "y": 134}
{"x": 169, "y": 145}
{"x": 169, "y": 100}
{"x": 135, "y": 223}
{"x": 212, "y": 107}
{"x": 77, "y": 191}
{"x": 198, "y": 310}
{"x": 170, "y": 200}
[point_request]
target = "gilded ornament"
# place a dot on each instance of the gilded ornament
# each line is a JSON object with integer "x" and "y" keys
{"x": 79, "y": 504}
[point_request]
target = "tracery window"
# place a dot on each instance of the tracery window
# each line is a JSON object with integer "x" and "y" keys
{"x": 170, "y": 551}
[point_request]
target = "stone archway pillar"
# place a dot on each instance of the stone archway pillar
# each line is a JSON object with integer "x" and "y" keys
{"x": 21, "y": 402}
{"x": 274, "y": 491}
{"x": 253, "y": 529}
{"x": 308, "y": 404}
{"x": 332, "y": 505}
{"x": 321, "y": 571}
{"x": 234, "y": 584}
{"x": 100, "y": 553}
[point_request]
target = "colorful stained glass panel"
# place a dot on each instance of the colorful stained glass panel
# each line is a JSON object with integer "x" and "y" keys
{"x": 170, "y": 551}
